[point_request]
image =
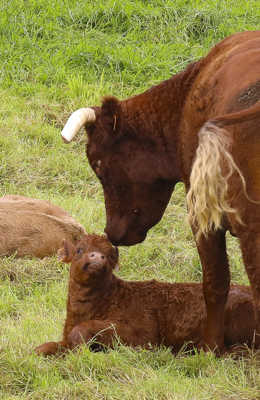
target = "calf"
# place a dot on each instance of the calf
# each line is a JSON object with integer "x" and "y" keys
{"x": 141, "y": 313}
{"x": 33, "y": 227}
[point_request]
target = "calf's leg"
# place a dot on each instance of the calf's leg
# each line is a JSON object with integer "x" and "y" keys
{"x": 50, "y": 348}
{"x": 106, "y": 331}
{"x": 102, "y": 332}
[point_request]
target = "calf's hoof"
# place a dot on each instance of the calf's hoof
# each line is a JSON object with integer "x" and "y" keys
{"x": 48, "y": 349}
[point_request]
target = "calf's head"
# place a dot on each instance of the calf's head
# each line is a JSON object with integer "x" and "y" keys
{"x": 131, "y": 166}
{"x": 92, "y": 259}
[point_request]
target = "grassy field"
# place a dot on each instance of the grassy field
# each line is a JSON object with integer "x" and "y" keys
{"x": 57, "y": 56}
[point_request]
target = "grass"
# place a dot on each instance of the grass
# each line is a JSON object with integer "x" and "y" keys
{"x": 57, "y": 56}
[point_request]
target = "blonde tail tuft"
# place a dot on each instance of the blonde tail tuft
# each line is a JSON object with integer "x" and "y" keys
{"x": 207, "y": 198}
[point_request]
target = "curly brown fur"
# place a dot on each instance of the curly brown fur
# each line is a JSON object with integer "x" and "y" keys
{"x": 101, "y": 307}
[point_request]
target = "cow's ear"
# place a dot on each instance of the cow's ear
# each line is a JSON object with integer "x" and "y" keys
{"x": 66, "y": 253}
{"x": 111, "y": 113}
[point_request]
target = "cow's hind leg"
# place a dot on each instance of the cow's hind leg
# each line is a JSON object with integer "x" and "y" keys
{"x": 250, "y": 246}
{"x": 216, "y": 281}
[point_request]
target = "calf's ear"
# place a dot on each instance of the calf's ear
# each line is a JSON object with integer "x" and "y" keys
{"x": 66, "y": 253}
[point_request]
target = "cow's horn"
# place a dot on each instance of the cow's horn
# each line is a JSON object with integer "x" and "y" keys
{"x": 77, "y": 119}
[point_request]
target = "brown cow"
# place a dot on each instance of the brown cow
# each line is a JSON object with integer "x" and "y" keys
{"x": 33, "y": 227}
{"x": 200, "y": 127}
{"x": 102, "y": 306}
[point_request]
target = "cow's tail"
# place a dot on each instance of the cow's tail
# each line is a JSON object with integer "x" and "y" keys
{"x": 207, "y": 197}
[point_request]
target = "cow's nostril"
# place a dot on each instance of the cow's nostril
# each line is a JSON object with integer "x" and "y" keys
{"x": 92, "y": 255}
{"x": 102, "y": 257}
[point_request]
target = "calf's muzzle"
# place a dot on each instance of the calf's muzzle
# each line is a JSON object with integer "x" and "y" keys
{"x": 94, "y": 258}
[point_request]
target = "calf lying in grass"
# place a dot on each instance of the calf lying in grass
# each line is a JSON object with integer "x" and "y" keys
{"x": 101, "y": 306}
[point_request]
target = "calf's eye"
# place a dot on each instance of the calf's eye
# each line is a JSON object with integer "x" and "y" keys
{"x": 136, "y": 211}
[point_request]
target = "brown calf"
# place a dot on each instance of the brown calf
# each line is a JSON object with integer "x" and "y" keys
{"x": 33, "y": 227}
{"x": 102, "y": 306}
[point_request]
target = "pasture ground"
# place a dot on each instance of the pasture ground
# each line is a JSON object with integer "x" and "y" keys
{"x": 57, "y": 56}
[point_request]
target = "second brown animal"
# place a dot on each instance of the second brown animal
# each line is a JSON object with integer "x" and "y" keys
{"x": 34, "y": 227}
{"x": 141, "y": 313}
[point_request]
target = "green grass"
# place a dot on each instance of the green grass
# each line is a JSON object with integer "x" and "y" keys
{"x": 56, "y": 56}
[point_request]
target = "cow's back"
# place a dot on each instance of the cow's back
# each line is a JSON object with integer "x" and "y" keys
{"x": 228, "y": 80}
{"x": 230, "y": 67}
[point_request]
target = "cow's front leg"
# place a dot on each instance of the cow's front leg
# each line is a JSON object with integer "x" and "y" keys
{"x": 216, "y": 282}
{"x": 250, "y": 246}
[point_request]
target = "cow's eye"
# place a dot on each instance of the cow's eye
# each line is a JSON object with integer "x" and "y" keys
{"x": 79, "y": 250}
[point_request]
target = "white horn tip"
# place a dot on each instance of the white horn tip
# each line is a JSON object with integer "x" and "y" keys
{"x": 75, "y": 122}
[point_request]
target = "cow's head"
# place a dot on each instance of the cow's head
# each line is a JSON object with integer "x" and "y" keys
{"x": 92, "y": 260}
{"x": 130, "y": 167}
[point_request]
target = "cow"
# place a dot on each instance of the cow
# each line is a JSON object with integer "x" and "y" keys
{"x": 103, "y": 307}
{"x": 33, "y": 227}
{"x": 200, "y": 127}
